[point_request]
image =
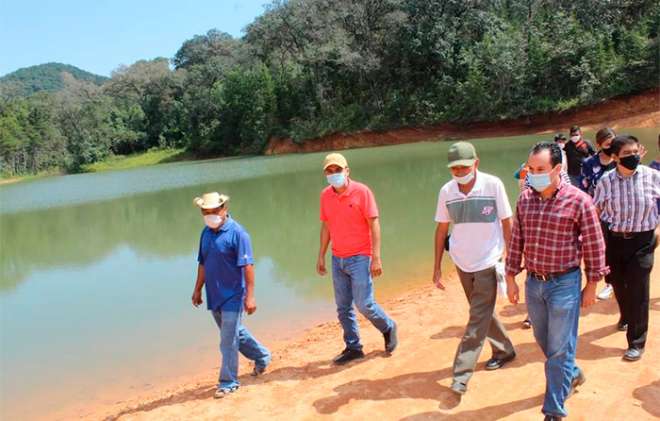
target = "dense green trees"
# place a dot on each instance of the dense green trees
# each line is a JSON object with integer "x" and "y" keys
{"x": 306, "y": 68}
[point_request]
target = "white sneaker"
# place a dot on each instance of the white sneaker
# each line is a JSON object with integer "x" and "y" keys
{"x": 606, "y": 292}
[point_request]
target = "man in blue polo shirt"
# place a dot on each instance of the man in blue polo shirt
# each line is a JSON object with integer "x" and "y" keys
{"x": 226, "y": 268}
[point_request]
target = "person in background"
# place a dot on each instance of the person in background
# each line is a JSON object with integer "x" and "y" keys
{"x": 627, "y": 201}
{"x": 560, "y": 140}
{"x": 349, "y": 220}
{"x": 226, "y": 270}
{"x": 555, "y": 228}
{"x": 476, "y": 205}
{"x": 593, "y": 169}
{"x": 655, "y": 164}
{"x": 577, "y": 150}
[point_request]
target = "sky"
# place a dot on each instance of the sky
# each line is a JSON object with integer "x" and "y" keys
{"x": 100, "y": 35}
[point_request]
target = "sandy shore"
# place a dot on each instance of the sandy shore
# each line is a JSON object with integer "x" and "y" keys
{"x": 413, "y": 384}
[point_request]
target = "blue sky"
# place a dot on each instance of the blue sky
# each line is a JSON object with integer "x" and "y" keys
{"x": 99, "y": 35}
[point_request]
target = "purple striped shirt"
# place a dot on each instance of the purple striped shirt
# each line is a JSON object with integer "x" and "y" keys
{"x": 628, "y": 204}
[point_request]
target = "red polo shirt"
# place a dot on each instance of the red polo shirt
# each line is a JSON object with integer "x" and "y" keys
{"x": 347, "y": 217}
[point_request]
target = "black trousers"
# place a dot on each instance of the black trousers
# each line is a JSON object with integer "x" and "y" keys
{"x": 631, "y": 261}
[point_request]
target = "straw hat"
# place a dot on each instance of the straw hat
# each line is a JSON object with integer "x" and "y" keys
{"x": 211, "y": 200}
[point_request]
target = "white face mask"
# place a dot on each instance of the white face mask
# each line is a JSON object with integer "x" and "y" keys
{"x": 464, "y": 179}
{"x": 561, "y": 145}
{"x": 212, "y": 221}
{"x": 575, "y": 138}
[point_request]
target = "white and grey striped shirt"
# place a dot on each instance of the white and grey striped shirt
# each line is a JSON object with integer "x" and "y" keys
{"x": 628, "y": 204}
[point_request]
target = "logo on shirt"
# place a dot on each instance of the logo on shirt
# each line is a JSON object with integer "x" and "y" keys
{"x": 487, "y": 210}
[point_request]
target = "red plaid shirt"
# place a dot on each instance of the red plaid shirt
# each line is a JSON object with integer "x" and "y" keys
{"x": 553, "y": 234}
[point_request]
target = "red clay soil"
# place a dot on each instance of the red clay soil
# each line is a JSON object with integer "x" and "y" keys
{"x": 641, "y": 110}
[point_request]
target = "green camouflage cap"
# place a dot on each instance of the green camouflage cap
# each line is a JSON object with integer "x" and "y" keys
{"x": 461, "y": 154}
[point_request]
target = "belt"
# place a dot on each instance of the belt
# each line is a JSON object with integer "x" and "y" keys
{"x": 626, "y": 235}
{"x": 545, "y": 277}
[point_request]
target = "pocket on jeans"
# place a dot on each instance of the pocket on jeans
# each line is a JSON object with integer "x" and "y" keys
{"x": 645, "y": 260}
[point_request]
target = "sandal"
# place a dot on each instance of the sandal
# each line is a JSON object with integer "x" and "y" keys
{"x": 224, "y": 391}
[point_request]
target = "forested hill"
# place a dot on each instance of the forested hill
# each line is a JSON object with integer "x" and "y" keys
{"x": 43, "y": 77}
{"x": 307, "y": 68}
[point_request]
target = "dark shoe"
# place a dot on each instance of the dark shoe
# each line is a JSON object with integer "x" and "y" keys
{"x": 578, "y": 380}
{"x": 526, "y": 324}
{"x": 258, "y": 371}
{"x": 622, "y": 325}
{"x": 552, "y": 418}
{"x": 495, "y": 363}
{"x": 348, "y": 355}
{"x": 391, "y": 339}
{"x": 633, "y": 354}
{"x": 458, "y": 388}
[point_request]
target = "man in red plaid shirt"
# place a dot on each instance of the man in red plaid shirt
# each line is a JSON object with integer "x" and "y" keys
{"x": 555, "y": 227}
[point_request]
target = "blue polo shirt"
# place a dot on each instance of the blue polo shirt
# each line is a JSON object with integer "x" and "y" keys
{"x": 223, "y": 255}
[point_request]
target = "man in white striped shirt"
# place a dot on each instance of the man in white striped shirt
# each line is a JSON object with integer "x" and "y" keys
{"x": 626, "y": 199}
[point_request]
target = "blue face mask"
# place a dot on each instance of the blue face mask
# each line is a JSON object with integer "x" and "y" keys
{"x": 539, "y": 182}
{"x": 336, "y": 180}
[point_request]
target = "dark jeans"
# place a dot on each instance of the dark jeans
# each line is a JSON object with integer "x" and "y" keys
{"x": 631, "y": 261}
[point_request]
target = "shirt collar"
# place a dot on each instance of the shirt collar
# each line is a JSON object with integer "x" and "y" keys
{"x": 560, "y": 190}
{"x": 616, "y": 171}
{"x": 349, "y": 189}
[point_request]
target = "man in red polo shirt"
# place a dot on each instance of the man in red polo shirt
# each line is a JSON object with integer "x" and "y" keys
{"x": 349, "y": 219}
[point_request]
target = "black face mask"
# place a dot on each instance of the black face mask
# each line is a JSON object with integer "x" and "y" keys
{"x": 607, "y": 152}
{"x": 631, "y": 161}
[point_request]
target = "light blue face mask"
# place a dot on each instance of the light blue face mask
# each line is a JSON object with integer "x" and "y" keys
{"x": 539, "y": 182}
{"x": 336, "y": 180}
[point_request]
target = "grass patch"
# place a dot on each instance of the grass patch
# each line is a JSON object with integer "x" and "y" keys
{"x": 143, "y": 159}
{"x": 15, "y": 179}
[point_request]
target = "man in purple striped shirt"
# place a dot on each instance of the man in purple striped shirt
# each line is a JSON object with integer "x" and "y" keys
{"x": 555, "y": 227}
{"x": 626, "y": 198}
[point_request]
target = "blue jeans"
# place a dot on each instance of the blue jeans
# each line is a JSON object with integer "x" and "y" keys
{"x": 351, "y": 277}
{"x": 234, "y": 337}
{"x": 554, "y": 310}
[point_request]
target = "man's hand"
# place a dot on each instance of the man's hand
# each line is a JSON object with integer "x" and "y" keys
{"x": 197, "y": 298}
{"x": 589, "y": 294}
{"x": 320, "y": 266}
{"x": 437, "y": 279}
{"x": 512, "y": 289}
{"x": 376, "y": 267}
{"x": 250, "y": 305}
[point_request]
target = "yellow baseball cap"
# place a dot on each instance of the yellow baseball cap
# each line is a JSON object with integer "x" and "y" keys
{"x": 335, "y": 159}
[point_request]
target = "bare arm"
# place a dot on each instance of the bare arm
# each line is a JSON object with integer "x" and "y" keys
{"x": 441, "y": 231}
{"x": 199, "y": 283}
{"x": 376, "y": 264}
{"x": 250, "y": 303}
{"x": 506, "y": 231}
{"x": 323, "y": 248}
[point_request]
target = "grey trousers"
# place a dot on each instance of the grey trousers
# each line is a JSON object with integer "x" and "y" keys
{"x": 481, "y": 291}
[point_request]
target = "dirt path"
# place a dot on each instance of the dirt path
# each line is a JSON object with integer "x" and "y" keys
{"x": 413, "y": 384}
{"x": 640, "y": 111}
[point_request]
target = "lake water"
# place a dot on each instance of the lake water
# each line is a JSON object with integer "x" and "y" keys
{"x": 96, "y": 270}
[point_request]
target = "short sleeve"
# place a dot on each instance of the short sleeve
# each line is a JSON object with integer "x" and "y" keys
{"x": 441, "y": 212}
{"x": 370, "y": 208}
{"x": 244, "y": 254}
{"x": 200, "y": 256}
{"x": 503, "y": 206}
{"x": 322, "y": 212}
{"x": 600, "y": 194}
